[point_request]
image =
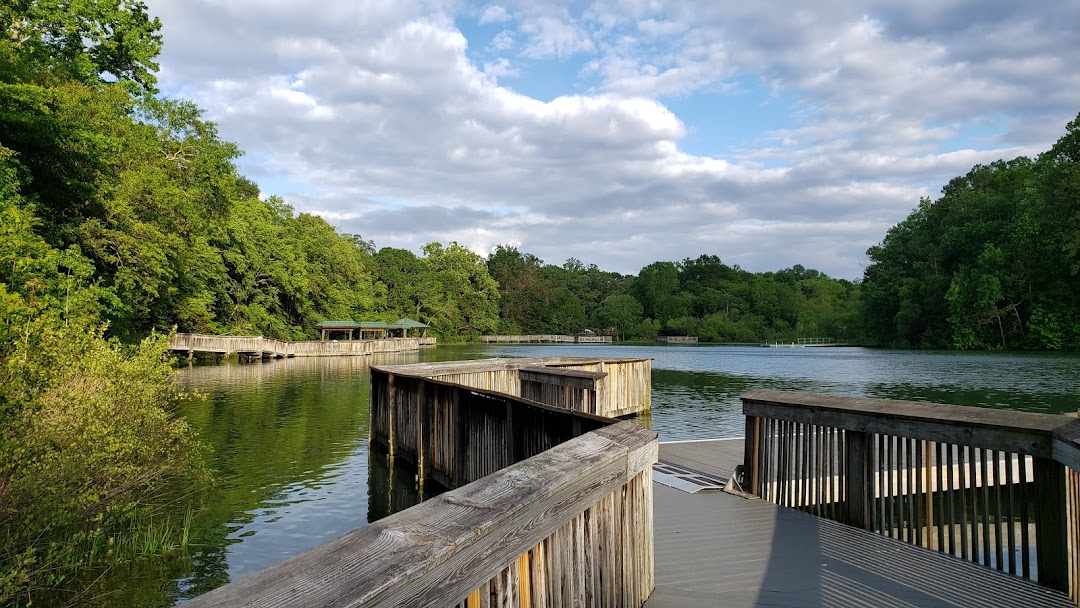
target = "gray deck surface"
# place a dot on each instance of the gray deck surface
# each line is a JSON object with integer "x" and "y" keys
{"x": 714, "y": 456}
{"x": 717, "y": 549}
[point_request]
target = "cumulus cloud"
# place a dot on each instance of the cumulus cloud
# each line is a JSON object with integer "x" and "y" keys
{"x": 392, "y": 123}
{"x": 493, "y": 13}
{"x": 503, "y": 41}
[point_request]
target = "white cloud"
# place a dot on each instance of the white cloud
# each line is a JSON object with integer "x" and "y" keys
{"x": 500, "y": 68}
{"x": 503, "y": 41}
{"x": 552, "y": 36}
{"x": 390, "y": 123}
{"x": 493, "y": 13}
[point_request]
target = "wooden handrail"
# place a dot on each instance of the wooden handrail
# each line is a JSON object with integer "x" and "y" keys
{"x": 437, "y": 553}
{"x": 952, "y": 478}
{"x": 1020, "y": 432}
{"x": 622, "y": 385}
{"x": 258, "y": 345}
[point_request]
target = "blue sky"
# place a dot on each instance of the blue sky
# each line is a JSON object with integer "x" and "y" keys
{"x": 623, "y": 132}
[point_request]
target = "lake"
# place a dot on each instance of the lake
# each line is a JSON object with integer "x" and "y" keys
{"x": 288, "y": 438}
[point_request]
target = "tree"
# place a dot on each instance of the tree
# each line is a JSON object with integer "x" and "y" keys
{"x": 656, "y": 287}
{"x": 522, "y": 291}
{"x": 992, "y": 263}
{"x": 618, "y": 311}
{"x": 84, "y": 40}
{"x": 467, "y": 297}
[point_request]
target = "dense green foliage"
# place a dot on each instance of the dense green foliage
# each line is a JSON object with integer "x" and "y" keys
{"x": 449, "y": 289}
{"x": 991, "y": 264}
{"x": 145, "y": 190}
{"x": 700, "y": 297}
{"x": 89, "y": 453}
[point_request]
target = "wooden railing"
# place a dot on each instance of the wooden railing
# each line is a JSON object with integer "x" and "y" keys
{"x": 999, "y": 488}
{"x": 542, "y": 338}
{"x": 455, "y": 434}
{"x": 269, "y": 347}
{"x": 627, "y": 389}
{"x": 569, "y": 527}
{"x": 547, "y": 339}
{"x": 592, "y": 339}
{"x": 623, "y": 389}
{"x": 563, "y": 388}
{"x": 678, "y": 339}
{"x": 552, "y": 508}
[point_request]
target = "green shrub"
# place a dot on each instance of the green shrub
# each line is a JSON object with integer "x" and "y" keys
{"x": 89, "y": 455}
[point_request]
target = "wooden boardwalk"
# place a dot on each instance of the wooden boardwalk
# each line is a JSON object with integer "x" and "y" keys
{"x": 256, "y": 347}
{"x": 718, "y": 549}
{"x": 547, "y": 339}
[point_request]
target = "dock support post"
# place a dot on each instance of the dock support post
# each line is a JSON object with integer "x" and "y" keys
{"x": 750, "y": 455}
{"x": 391, "y": 406}
{"x": 857, "y": 455}
{"x": 1051, "y": 535}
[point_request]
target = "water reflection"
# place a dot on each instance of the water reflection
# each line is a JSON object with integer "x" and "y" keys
{"x": 392, "y": 485}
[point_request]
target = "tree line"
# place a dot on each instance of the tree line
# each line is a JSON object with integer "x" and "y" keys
{"x": 991, "y": 264}
{"x": 700, "y": 297}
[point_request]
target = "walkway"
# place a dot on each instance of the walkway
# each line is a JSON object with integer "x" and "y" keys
{"x": 717, "y": 549}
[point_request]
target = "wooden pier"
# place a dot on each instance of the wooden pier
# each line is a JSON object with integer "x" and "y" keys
{"x": 611, "y": 387}
{"x": 993, "y": 487}
{"x": 257, "y": 347}
{"x": 719, "y": 549}
{"x": 826, "y": 501}
{"x": 803, "y": 343}
{"x": 547, "y": 339}
{"x": 552, "y": 507}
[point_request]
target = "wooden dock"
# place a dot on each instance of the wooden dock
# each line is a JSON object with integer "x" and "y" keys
{"x": 804, "y": 343}
{"x": 258, "y": 347}
{"x": 678, "y": 339}
{"x": 549, "y": 507}
{"x": 611, "y": 387}
{"x": 825, "y": 501}
{"x": 722, "y": 550}
{"x": 547, "y": 339}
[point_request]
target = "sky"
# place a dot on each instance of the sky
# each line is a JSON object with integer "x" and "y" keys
{"x": 623, "y": 132}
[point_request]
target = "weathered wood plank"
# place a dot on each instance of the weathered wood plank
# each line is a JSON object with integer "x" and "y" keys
{"x": 438, "y": 552}
{"x": 1051, "y": 530}
{"x": 1018, "y": 432}
{"x": 944, "y": 477}
{"x": 1066, "y": 444}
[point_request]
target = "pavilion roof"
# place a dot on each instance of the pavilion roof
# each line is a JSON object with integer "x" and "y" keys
{"x": 337, "y": 325}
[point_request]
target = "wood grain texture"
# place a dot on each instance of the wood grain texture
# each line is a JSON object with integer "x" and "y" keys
{"x": 441, "y": 551}
{"x": 1019, "y": 432}
{"x": 958, "y": 480}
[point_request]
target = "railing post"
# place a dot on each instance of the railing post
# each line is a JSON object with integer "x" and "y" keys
{"x": 857, "y": 456}
{"x": 1051, "y": 537}
{"x": 750, "y": 455}
{"x": 391, "y": 406}
{"x": 422, "y": 428}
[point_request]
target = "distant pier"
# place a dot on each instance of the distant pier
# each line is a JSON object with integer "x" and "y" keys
{"x": 547, "y": 339}
{"x": 803, "y": 343}
{"x": 258, "y": 347}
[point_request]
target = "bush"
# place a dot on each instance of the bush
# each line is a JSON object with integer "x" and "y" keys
{"x": 89, "y": 453}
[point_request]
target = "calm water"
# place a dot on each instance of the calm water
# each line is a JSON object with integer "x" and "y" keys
{"x": 288, "y": 439}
